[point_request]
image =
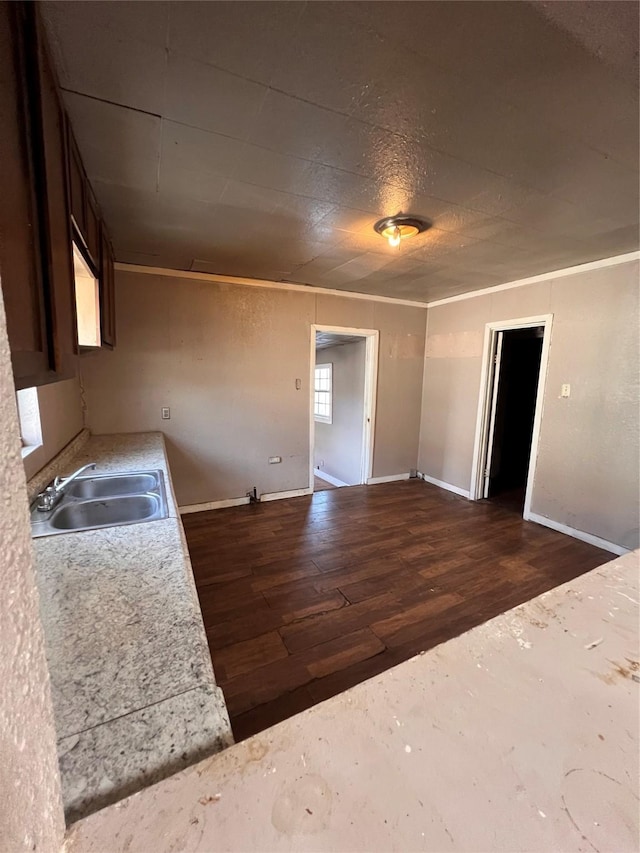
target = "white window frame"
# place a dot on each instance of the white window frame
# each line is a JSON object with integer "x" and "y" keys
{"x": 323, "y": 419}
{"x": 29, "y": 419}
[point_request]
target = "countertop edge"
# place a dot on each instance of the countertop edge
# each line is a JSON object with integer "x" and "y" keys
{"x": 198, "y": 715}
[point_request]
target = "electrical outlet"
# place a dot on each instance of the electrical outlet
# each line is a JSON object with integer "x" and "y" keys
{"x": 273, "y": 460}
{"x": 166, "y": 413}
{"x": 565, "y": 391}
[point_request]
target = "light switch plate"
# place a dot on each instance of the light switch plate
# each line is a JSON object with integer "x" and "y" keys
{"x": 273, "y": 460}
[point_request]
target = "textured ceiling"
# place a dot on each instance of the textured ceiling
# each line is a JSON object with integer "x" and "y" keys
{"x": 324, "y": 340}
{"x": 265, "y": 139}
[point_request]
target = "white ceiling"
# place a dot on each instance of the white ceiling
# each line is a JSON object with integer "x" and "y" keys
{"x": 265, "y": 138}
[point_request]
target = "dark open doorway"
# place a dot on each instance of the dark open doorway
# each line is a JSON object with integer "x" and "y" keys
{"x": 518, "y": 371}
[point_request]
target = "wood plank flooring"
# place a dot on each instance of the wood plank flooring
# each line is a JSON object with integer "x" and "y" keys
{"x": 320, "y": 485}
{"x": 303, "y": 598}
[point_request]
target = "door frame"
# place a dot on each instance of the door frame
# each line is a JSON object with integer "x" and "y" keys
{"x": 481, "y": 442}
{"x": 372, "y": 339}
{"x": 492, "y": 411}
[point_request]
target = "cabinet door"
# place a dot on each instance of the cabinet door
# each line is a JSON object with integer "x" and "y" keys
{"x": 76, "y": 185}
{"x": 59, "y": 260}
{"x": 107, "y": 294}
{"x": 21, "y": 269}
{"x": 93, "y": 227}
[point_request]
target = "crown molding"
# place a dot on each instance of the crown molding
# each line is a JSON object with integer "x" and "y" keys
{"x": 259, "y": 282}
{"x": 591, "y": 265}
{"x": 350, "y": 294}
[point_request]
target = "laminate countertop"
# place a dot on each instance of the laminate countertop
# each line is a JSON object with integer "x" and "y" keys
{"x": 134, "y": 693}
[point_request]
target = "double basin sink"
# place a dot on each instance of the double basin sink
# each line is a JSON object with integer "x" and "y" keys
{"x": 104, "y": 500}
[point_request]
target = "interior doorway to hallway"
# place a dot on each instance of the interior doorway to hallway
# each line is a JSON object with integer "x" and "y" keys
{"x": 510, "y": 410}
{"x": 343, "y": 377}
{"x": 519, "y": 352}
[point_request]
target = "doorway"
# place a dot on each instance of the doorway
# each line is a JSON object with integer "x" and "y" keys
{"x": 511, "y": 428}
{"x": 342, "y": 406}
{"x": 514, "y": 371}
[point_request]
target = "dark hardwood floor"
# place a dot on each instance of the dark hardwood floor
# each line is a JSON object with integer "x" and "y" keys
{"x": 320, "y": 485}
{"x": 303, "y": 598}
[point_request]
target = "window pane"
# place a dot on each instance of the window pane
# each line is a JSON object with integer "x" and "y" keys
{"x": 322, "y": 392}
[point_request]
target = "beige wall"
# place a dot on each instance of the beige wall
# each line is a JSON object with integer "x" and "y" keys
{"x": 61, "y": 419}
{"x": 31, "y": 816}
{"x": 587, "y": 470}
{"x": 338, "y": 445}
{"x": 225, "y": 358}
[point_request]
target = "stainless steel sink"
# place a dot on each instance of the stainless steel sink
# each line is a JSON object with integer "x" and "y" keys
{"x": 104, "y": 500}
{"x": 108, "y": 485}
{"x": 82, "y": 515}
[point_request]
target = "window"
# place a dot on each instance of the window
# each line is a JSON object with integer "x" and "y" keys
{"x": 29, "y": 417}
{"x": 322, "y": 408}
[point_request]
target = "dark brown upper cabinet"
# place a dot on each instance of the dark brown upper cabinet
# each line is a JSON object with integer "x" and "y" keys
{"x": 92, "y": 239}
{"x": 84, "y": 208}
{"x": 46, "y": 204}
{"x": 77, "y": 185}
{"x": 107, "y": 294}
{"x": 35, "y": 238}
{"x": 93, "y": 236}
{"x": 24, "y": 283}
{"x": 56, "y": 213}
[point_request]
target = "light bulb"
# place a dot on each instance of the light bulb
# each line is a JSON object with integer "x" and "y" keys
{"x": 394, "y": 237}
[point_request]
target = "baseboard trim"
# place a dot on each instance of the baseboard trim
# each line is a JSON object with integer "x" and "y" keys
{"x": 328, "y": 478}
{"x": 278, "y": 496}
{"x": 577, "y": 534}
{"x": 442, "y": 485}
{"x": 273, "y": 496}
{"x": 372, "y": 481}
{"x": 185, "y": 510}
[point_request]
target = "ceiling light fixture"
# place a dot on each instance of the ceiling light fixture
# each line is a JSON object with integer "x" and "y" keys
{"x": 397, "y": 228}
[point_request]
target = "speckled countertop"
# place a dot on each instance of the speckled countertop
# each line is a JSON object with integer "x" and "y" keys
{"x": 133, "y": 688}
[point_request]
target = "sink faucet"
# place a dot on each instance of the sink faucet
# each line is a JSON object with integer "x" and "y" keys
{"x": 46, "y": 500}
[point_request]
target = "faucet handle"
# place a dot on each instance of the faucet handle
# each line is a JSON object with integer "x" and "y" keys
{"x": 46, "y": 500}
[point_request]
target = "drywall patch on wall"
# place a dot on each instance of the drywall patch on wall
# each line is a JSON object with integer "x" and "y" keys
{"x": 31, "y": 816}
{"x": 466, "y": 344}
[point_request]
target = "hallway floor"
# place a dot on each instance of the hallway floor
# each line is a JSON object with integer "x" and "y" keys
{"x": 320, "y": 485}
{"x": 303, "y": 598}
